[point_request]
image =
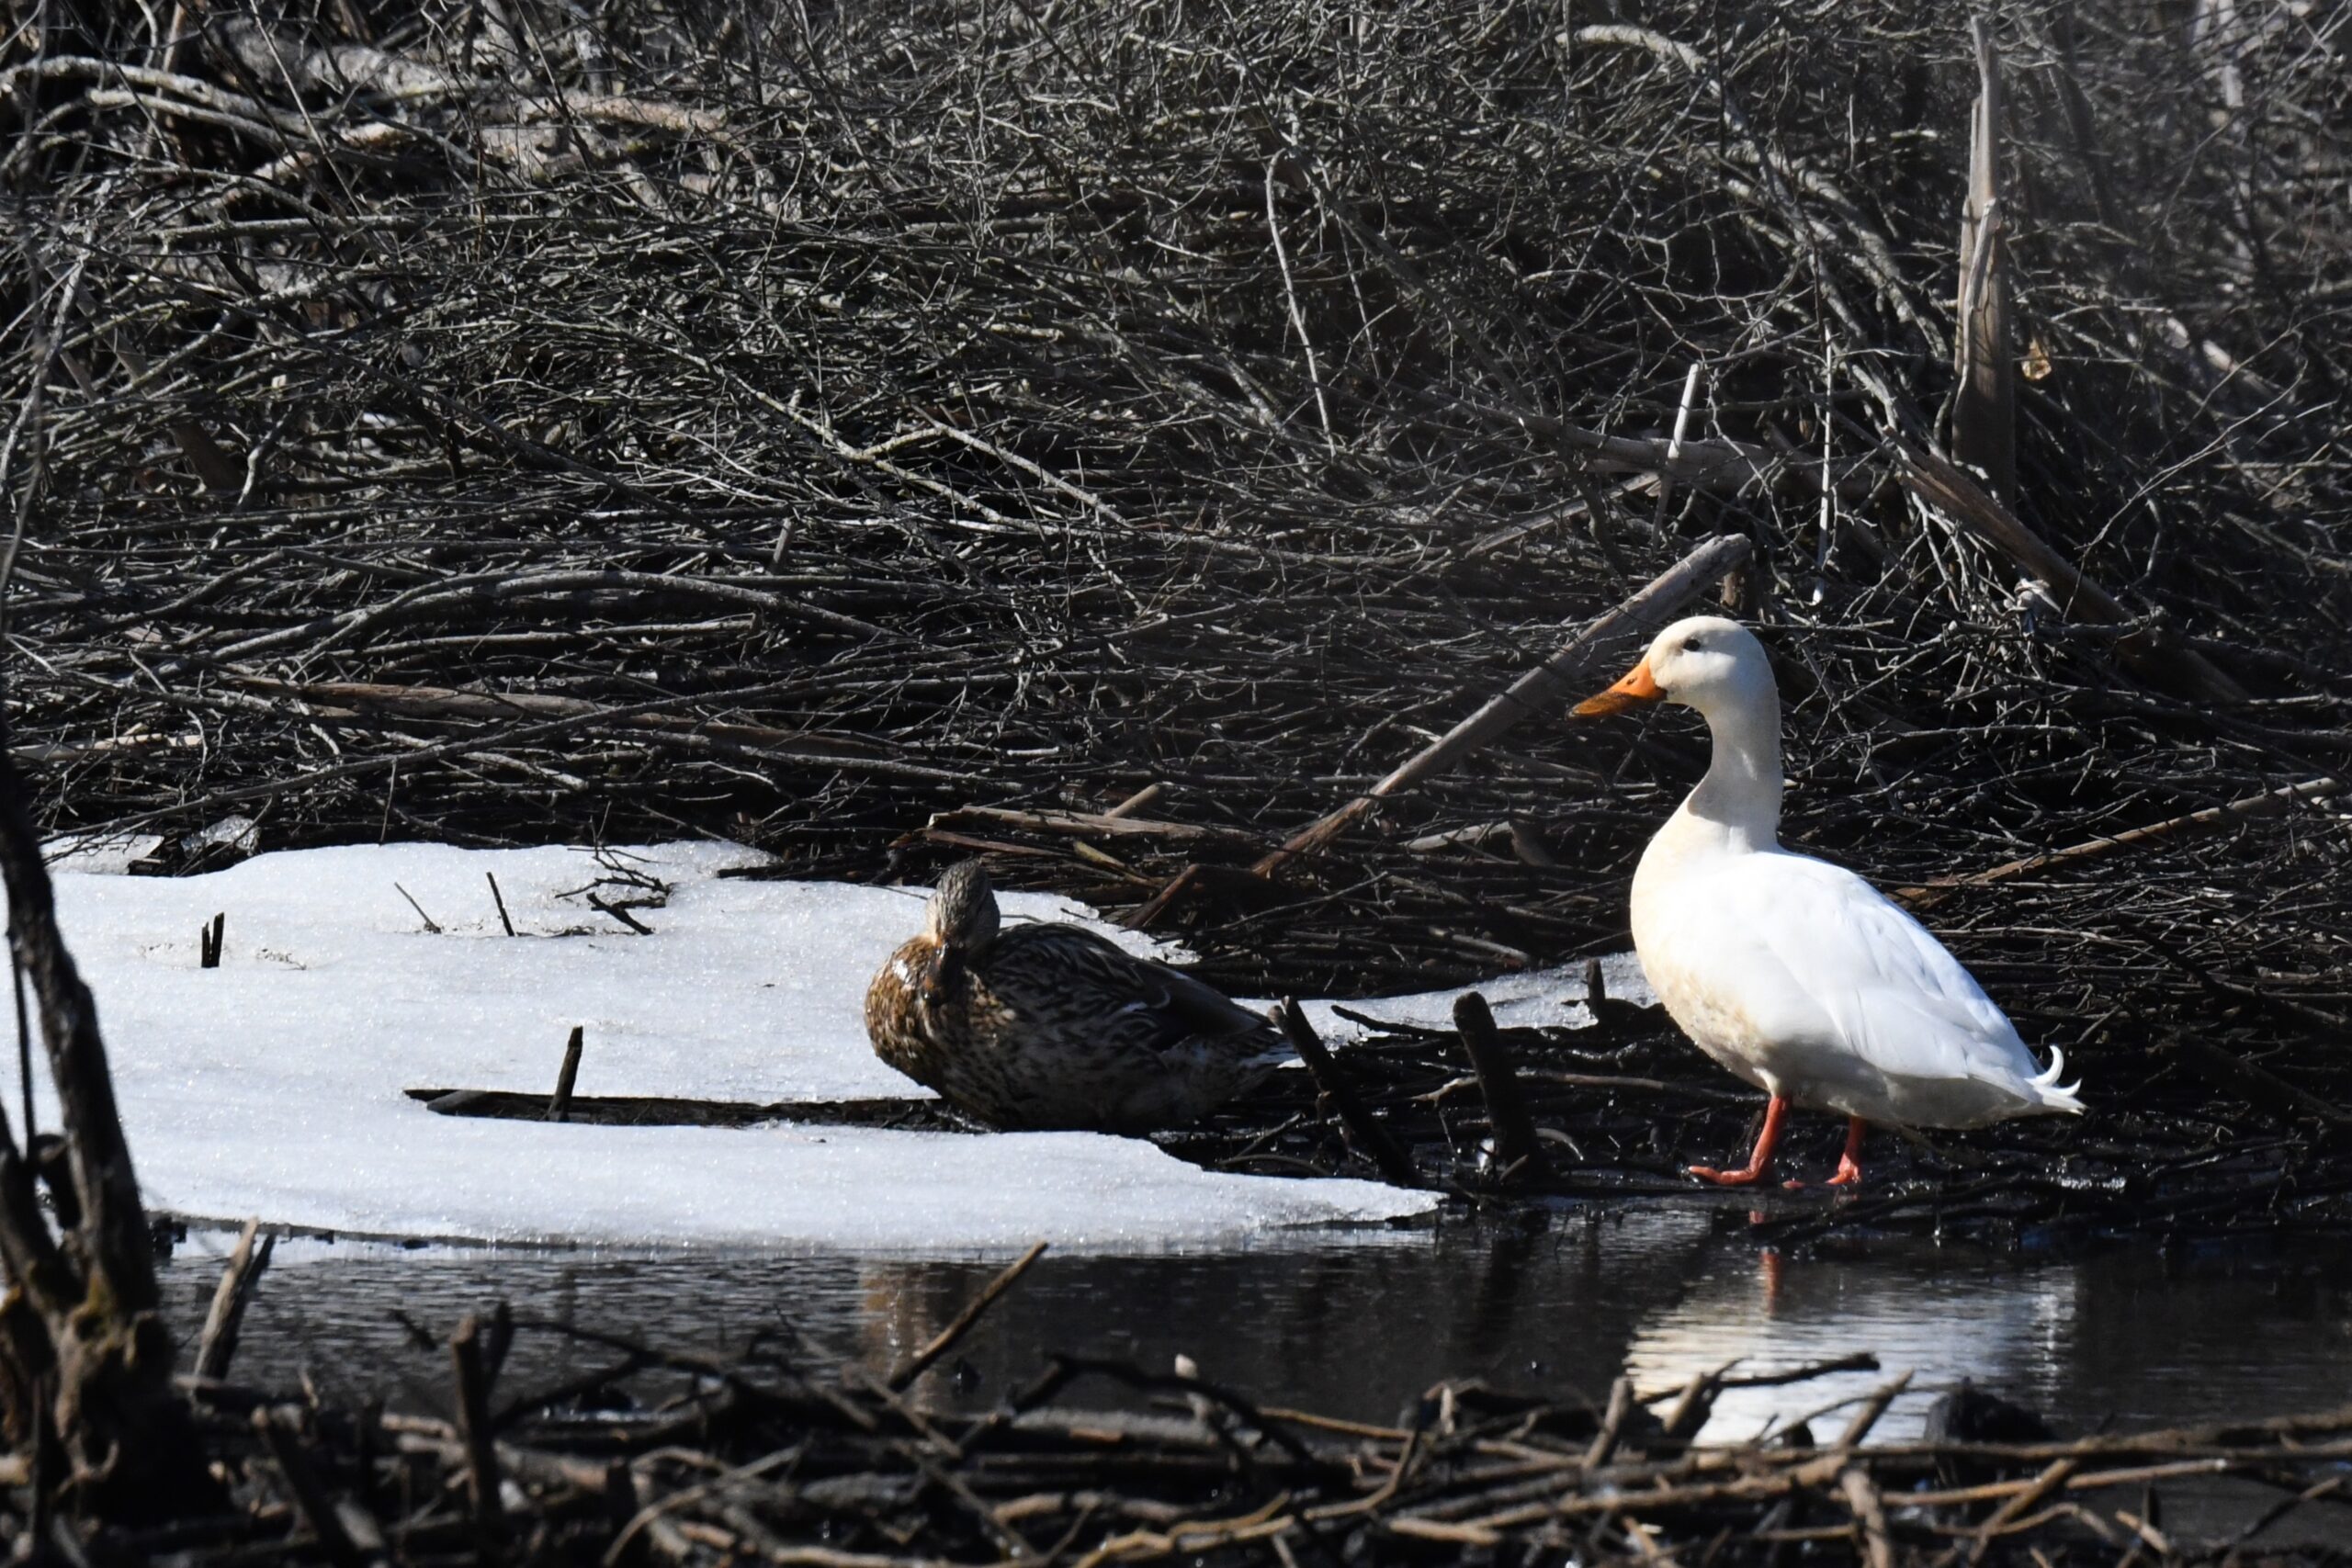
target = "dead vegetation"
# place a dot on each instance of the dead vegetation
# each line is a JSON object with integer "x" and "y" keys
{"x": 884, "y": 433}
{"x": 1116, "y": 438}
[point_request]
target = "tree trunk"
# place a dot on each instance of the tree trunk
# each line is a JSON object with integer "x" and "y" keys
{"x": 83, "y": 1335}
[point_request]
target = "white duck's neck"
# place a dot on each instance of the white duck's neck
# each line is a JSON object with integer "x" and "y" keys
{"x": 1737, "y": 806}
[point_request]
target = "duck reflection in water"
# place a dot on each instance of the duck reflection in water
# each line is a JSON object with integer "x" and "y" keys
{"x": 1768, "y": 1312}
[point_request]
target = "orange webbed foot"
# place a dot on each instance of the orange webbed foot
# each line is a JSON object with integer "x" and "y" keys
{"x": 1746, "y": 1178}
{"x": 1849, "y": 1170}
{"x": 1759, "y": 1159}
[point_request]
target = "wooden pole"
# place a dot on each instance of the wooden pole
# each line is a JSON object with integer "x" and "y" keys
{"x": 560, "y": 1103}
{"x": 1515, "y": 1141}
{"x": 1984, "y": 417}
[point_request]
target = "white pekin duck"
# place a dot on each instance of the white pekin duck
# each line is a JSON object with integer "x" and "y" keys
{"x": 1795, "y": 974}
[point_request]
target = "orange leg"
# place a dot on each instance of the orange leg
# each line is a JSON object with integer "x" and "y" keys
{"x": 1759, "y": 1159}
{"x": 1849, "y": 1173}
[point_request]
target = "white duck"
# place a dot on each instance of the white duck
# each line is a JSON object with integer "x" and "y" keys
{"x": 1795, "y": 974}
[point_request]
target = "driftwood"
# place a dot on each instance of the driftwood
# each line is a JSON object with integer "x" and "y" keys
{"x": 654, "y": 1111}
{"x": 945, "y": 1340}
{"x": 1334, "y": 1083}
{"x": 217, "y": 1344}
{"x": 2270, "y": 803}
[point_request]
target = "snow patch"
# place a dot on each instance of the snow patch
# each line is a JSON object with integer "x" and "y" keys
{"x": 98, "y": 854}
{"x": 274, "y": 1084}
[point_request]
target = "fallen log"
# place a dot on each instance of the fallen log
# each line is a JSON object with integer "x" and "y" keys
{"x": 1105, "y": 824}
{"x": 1540, "y": 692}
{"x": 1543, "y": 690}
{"x": 658, "y": 1111}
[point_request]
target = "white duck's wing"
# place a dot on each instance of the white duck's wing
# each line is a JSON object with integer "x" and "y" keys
{"x": 1863, "y": 1001}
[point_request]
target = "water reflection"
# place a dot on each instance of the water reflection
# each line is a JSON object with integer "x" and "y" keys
{"x": 1358, "y": 1331}
{"x": 1940, "y": 1318}
{"x": 1361, "y": 1324}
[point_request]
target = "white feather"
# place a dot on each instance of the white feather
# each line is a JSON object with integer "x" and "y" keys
{"x": 1848, "y": 1002}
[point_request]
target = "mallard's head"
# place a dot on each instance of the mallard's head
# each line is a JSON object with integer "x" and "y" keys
{"x": 962, "y": 917}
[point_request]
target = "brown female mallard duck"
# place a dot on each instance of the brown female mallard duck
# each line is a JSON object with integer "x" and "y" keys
{"x": 1054, "y": 1026}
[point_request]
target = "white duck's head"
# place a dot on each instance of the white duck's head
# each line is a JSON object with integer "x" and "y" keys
{"x": 1706, "y": 662}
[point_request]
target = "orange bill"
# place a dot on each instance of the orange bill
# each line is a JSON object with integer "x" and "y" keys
{"x": 1636, "y": 687}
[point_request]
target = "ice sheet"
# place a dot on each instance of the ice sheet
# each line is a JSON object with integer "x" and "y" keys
{"x": 1534, "y": 998}
{"x": 273, "y": 1085}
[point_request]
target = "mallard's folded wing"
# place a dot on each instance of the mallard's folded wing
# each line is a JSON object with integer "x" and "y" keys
{"x": 1077, "y": 980}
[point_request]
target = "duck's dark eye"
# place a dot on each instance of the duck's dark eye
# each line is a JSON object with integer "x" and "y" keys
{"x": 1691, "y": 646}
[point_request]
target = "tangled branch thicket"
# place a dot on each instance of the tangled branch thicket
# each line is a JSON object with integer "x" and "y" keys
{"x": 508, "y": 420}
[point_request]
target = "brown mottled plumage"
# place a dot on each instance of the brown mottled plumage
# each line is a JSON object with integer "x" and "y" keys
{"x": 1053, "y": 1026}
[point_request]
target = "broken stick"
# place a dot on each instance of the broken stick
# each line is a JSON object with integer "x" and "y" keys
{"x": 1983, "y": 415}
{"x": 1515, "y": 1141}
{"x": 1542, "y": 690}
{"x": 1395, "y": 1165}
{"x": 472, "y": 1378}
{"x": 238, "y": 1276}
{"x": 560, "y": 1103}
{"x": 2269, "y": 803}
{"x": 946, "y": 1339}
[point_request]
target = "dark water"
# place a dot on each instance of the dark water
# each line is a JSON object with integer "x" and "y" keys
{"x": 1360, "y": 1324}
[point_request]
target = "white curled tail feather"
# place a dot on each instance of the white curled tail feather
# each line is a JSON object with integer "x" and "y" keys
{"x": 2049, "y": 1093}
